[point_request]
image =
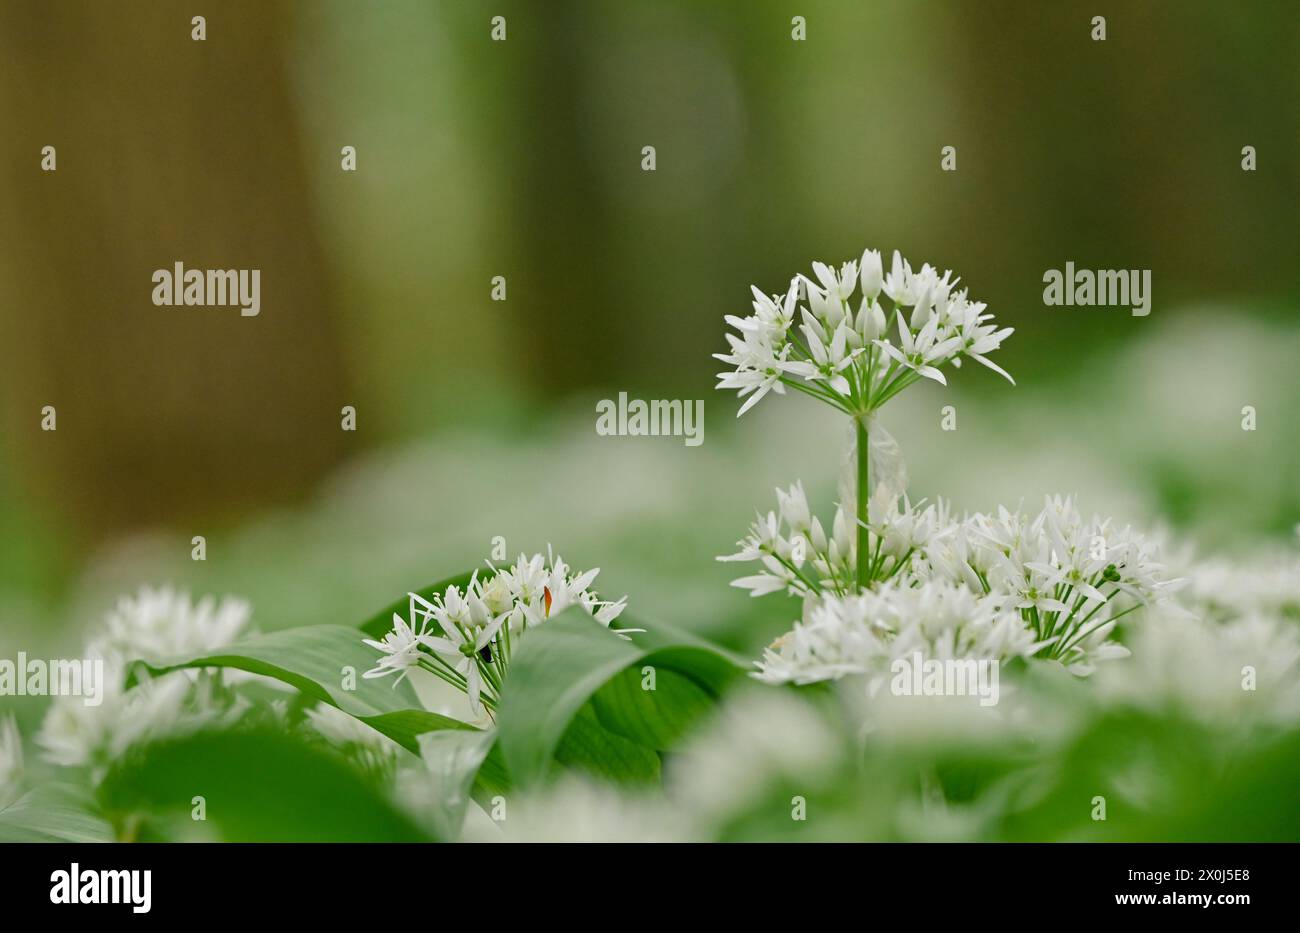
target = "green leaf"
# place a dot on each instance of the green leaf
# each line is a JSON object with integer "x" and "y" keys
{"x": 313, "y": 659}
{"x": 653, "y": 718}
{"x": 382, "y": 621}
{"x": 256, "y": 787}
{"x": 562, "y": 664}
{"x": 588, "y": 746}
{"x": 52, "y": 814}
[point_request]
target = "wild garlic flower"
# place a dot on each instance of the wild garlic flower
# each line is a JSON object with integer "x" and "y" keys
{"x": 798, "y": 556}
{"x": 1071, "y": 580}
{"x": 162, "y": 623}
{"x": 1222, "y": 590}
{"x": 1051, "y": 586}
{"x": 75, "y": 735}
{"x": 861, "y": 634}
{"x": 849, "y": 357}
{"x": 466, "y": 637}
{"x": 815, "y": 341}
{"x": 153, "y": 624}
{"x": 1186, "y": 663}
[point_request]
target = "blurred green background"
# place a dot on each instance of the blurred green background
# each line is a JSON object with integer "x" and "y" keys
{"x": 522, "y": 159}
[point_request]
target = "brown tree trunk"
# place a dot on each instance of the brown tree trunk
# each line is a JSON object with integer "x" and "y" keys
{"x": 169, "y": 150}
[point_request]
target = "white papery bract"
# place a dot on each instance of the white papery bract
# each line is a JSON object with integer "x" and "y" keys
{"x": 847, "y": 356}
{"x": 466, "y": 636}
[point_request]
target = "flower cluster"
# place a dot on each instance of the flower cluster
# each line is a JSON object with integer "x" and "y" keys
{"x": 1222, "y": 590}
{"x": 163, "y": 622}
{"x": 154, "y": 623}
{"x": 798, "y": 556}
{"x": 1071, "y": 579}
{"x": 849, "y": 358}
{"x": 860, "y": 634}
{"x": 892, "y": 575}
{"x": 985, "y": 586}
{"x": 466, "y": 636}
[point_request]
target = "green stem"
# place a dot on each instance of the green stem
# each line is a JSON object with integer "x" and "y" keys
{"x": 864, "y": 496}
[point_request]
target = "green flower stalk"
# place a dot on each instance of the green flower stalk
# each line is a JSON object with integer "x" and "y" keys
{"x": 847, "y": 358}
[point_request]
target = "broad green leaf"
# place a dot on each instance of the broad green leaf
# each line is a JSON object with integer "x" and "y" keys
{"x": 588, "y": 746}
{"x": 318, "y": 659}
{"x": 256, "y": 787}
{"x": 52, "y": 814}
{"x": 382, "y": 621}
{"x": 654, "y": 718}
{"x": 558, "y": 667}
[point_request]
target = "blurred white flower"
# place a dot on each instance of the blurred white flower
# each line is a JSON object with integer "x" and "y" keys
{"x": 757, "y": 740}
{"x": 75, "y": 735}
{"x": 161, "y": 623}
{"x": 1234, "y": 675}
{"x": 154, "y": 624}
{"x": 578, "y": 810}
{"x": 1267, "y": 584}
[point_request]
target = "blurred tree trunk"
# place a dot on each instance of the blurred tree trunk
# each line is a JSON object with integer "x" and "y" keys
{"x": 169, "y": 150}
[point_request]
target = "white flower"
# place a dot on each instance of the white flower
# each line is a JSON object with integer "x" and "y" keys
{"x": 860, "y": 634}
{"x": 155, "y": 624}
{"x": 840, "y": 287}
{"x": 465, "y": 636}
{"x": 872, "y": 279}
{"x": 919, "y": 352}
{"x": 833, "y": 641}
{"x": 830, "y": 356}
{"x": 75, "y": 735}
{"x": 845, "y": 358}
{"x": 798, "y": 556}
{"x": 400, "y": 646}
{"x": 1070, "y": 579}
{"x": 461, "y": 647}
{"x": 163, "y": 623}
{"x": 1267, "y": 584}
{"x": 575, "y": 809}
{"x": 1196, "y": 666}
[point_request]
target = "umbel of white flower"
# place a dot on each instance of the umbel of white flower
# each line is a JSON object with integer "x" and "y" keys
{"x": 886, "y": 576}
{"x": 467, "y": 637}
{"x": 907, "y": 326}
{"x": 813, "y": 340}
{"x": 1050, "y": 586}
